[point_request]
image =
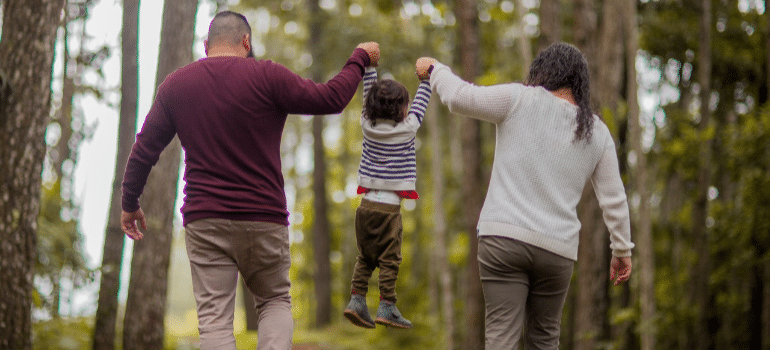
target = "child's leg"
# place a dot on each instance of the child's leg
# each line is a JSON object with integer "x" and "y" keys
{"x": 390, "y": 258}
{"x": 366, "y": 260}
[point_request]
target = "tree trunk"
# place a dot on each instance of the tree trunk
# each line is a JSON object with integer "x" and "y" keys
{"x": 143, "y": 326}
{"x": 321, "y": 239}
{"x": 701, "y": 295}
{"x": 550, "y": 24}
{"x": 765, "y": 265}
{"x": 525, "y": 47}
{"x": 112, "y": 258}
{"x": 64, "y": 115}
{"x": 765, "y": 280}
{"x": 607, "y": 82}
{"x": 645, "y": 249}
{"x": 439, "y": 219}
{"x": 585, "y": 29}
{"x": 27, "y": 51}
{"x": 472, "y": 184}
{"x": 591, "y": 300}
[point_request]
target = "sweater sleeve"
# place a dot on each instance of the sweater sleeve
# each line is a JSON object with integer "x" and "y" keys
{"x": 296, "y": 95}
{"x": 157, "y": 132}
{"x": 370, "y": 77}
{"x": 421, "y": 100}
{"x": 488, "y": 103}
{"x": 612, "y": 199}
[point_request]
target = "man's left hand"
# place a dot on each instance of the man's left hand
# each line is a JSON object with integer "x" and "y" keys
{"x": 128, "y": 224}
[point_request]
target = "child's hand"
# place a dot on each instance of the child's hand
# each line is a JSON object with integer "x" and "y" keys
{"x": 373, "y": 49}
{"x": 423, "y": 67}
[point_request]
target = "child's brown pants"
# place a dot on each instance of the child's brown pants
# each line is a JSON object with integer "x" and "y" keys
{"x": 378, "y": 236}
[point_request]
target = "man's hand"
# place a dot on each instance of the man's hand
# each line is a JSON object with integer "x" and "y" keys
{"x": 620, "y": 267}
{"x": 422, "y": 67}
{"x": 373, "y": 49}
{"x": 128, "y": 224}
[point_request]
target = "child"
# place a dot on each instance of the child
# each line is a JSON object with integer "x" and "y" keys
{"x": 386, "y": 174}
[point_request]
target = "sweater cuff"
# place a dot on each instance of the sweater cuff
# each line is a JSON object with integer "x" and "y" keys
{"x": 621, "y": 253}
{"x": 360, "y": 57}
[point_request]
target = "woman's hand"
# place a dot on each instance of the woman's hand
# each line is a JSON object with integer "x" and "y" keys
{"x": 423, "y": 67}
{"x": 620, "y": 268}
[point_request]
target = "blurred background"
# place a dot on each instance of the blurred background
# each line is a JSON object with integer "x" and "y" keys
{"x": 683, "y": 86}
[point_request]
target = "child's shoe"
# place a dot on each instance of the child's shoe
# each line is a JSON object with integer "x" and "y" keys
{"x": 388, "y": 314}
{"x": 357, "y": 312}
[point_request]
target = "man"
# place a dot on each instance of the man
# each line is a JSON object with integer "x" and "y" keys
{"x": 229, "y": 112}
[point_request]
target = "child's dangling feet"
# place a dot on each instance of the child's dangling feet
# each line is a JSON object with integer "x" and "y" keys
{"x": 357, "y": 312}
{"x": 388, "y": 315}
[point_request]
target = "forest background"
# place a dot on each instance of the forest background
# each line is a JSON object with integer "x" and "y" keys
{"x": 682, "y": 85}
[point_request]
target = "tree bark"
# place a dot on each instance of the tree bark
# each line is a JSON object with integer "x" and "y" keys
{"x": 143, "y": 326}
{"x": 439, "y": 219}
{"x": 525, "y": 47}
{"x": 645, "y": 249}
{"x": 764, "y": 267}
{"x": 591, "y": 300}
{"x": 701, "y": 295}
{"x": 321, "y": 236}
{"x": 472, "y": 184}
{"x": 112, "y": 256}
{"x": 27, "y": 51}
{"x": 550, "y": 24}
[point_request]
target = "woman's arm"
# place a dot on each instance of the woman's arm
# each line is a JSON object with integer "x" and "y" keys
{"x": 489, "y": 103}
{"x": 612, "y": 199}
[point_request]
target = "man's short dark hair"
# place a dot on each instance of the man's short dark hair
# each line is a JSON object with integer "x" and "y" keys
{"x": 228, "y": 28}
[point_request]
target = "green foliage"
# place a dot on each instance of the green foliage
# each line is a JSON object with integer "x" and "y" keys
{"x": 63, "y": 334}
{"x": 59, "y": 252}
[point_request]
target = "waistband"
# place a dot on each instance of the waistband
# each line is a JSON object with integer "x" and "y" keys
{"x": 365, "y": 203}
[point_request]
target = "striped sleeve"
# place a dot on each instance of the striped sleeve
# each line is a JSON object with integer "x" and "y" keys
{"x": 370, "y": 77}
{"x": 421, "y": 100}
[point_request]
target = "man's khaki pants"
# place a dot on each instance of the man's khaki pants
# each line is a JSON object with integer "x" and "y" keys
{"x": 218, "y": 249}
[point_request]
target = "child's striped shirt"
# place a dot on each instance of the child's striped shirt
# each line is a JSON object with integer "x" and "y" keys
{"x": 388, "y": 159}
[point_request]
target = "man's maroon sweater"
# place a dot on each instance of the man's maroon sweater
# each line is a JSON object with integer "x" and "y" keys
{"x": 229, "y": 113}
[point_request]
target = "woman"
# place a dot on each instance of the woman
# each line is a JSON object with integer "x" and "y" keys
{"x": 549, "y": 144}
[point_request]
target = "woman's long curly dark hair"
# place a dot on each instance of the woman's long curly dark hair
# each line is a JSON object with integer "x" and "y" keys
{"x": 563, "y": 65}
{"x": 387, "y": 99}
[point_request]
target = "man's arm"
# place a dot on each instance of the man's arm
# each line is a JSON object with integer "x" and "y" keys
{"x": 296, "y": 95}
{"x": 157, "y": 132}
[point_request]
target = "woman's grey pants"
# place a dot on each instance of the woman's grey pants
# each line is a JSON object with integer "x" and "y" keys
{"x": 521, "y": 281}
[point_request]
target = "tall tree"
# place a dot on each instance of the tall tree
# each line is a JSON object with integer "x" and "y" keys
{"x": 550, "y": 24}
{"x": 27, "y": 48}
{"x": 525, "y": 47}
{"x": 591, "y": 304}
{"x": 472, "y": 183}
{"x": 143, "y": 326}
{"x": 439, "y": 220}
{"x": 321, "y": 236}
{"x": 766, "y": 265}
{"x": 643, "y": 234}
{"x": 700, "y": 290}
{"x": 112, "y": 256}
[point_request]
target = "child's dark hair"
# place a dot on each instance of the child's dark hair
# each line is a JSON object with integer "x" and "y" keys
{"x": 563, "y": 65}
{"x": 387, "y": 100}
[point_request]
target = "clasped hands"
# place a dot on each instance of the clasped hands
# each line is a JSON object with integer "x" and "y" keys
{"x": 422, "y": 66}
